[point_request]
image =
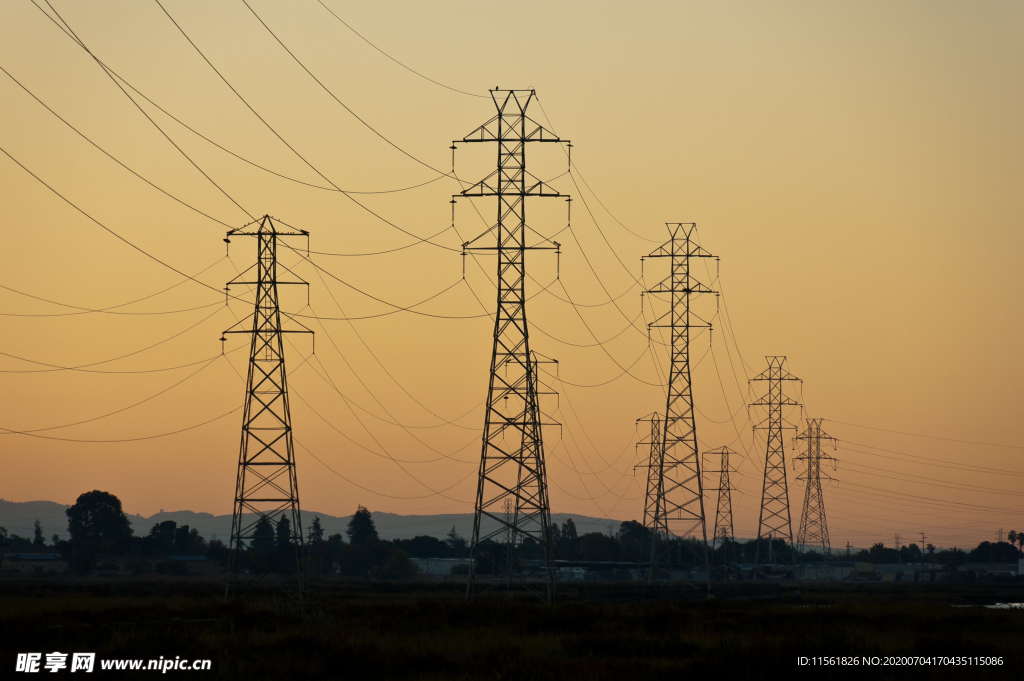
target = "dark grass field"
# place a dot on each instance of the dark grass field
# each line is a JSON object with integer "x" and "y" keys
{"x": 380, "y": 631}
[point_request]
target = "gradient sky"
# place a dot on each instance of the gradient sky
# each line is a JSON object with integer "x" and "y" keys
{"x": 856, "y": 166}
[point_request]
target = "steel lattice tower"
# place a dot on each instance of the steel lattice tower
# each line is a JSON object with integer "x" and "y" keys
{"x": 774, "y": 520}
{"x": 723, "y": 508}
{"x": 680, "y": 497}
{"x": 654, "y": 466}
{"x": 813, "y": 521}
{"x": 512, "y": 456}
{"x": 266, "y": 484}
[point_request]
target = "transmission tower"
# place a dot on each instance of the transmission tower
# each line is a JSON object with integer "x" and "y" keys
{"x": 774, "y": 519}
{"x": 723, "y": 509}
{"x": 813, "y": 522}
{"x": 266, "y": 483}
{"x": 654, "y": 466}
{"x": 512, "y": 456}
{"x": 679, "y": 502}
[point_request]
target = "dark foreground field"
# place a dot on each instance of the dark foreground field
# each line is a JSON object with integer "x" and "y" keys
{"x": 594, "y": 632}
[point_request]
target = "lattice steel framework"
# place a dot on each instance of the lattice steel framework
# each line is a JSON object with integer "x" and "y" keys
{"x": 813, "y": 521}
{"x": 723, "y": 507}
{"x": 774, "y": 520}
{"x": 266, "y": 483}
{"x": 655, "y": 463}
{"x": 512, "y": 456}
{"x": 679, "y": 505}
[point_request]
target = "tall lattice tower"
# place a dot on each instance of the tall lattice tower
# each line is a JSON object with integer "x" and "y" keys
{"x": 774, "y": 520}
{"x": 512, "y": 456}
{"x": 266, "y": 484}
{"x": 654, "y": 465}
{"x": 679, "y": 504}
{"x": 813, "y": 521}
{"x": 723, "y": 508}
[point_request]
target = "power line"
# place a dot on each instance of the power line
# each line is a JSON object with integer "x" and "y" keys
{"x": 58, "y": 367}
{"x": 209, "y": 140}
{"x": 181, "y": 151}
{"x": 395, "y": 59}
{"x": 326, "y": 89}
{"x": 109, "y": 155}
{"x": 943, "y": 463}
{"x": 123, "y": 439}
{"x": 110, "y": 231}
{"x": 932, "y": 482}
{"x": 162, "y": 391}
{"x": 109, "y": 309}
{"x": 929, "y": 436}
{"x": 295, "y": 151}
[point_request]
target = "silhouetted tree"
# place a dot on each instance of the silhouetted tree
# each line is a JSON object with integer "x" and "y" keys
{"x": 424, "y": 546}
{"x": 316, "y": 532}
{"x": 457, "y": 546}
{"x": 568, "y": 540}
{"x": 910, "y": 553}
{"x": 334, "y": 550}
{"x": 217, "y": 551}
{"x": 490, "y": 557}
{"x": 357, "y": 558}
{"x": 283, "y": 533}
{"x": 187, "y": 541}
{"x": 316, "y": 549}
{"x": 160, "y": 540}
{"x": 988, "y": 552}
{"x": 97, "y": 525}
{"x": 262, "y": 549}
{"x": 361, "y": 530}
{"x": 634, "y": 541}
{"x": 878, "y": 553}
{"x": 597, "y": 546}
{"x": 391, "y": 562}
{"x": 37, "y": 539}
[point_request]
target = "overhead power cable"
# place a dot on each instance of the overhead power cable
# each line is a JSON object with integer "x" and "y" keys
{"x": 291, "y": 147}
{"x": 140, "y": 438}
{"x": 434, "y": 492}
{"x": 945, "y": 463}
{"x": 929, "y": 482}
{"x": 387, "y": 372}
{"x": 79, "y": 367}
{"x": 110, "y": 231}
{"x": 982, "y": 443}
{"x": 109, "y": 155}
{"x": 148, "y": 398}
{"x": 156, "y": 125}
{"x": 395, "y": 59}
{"x": 214, "y": 143}
{"x": 110, "y": 309}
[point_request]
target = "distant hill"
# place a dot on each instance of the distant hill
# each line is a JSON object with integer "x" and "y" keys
{"x": 18, "y": 518}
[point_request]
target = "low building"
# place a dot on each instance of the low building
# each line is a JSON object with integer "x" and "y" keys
{"x": 442, "y": 567}
{"x": 34, "y": 563}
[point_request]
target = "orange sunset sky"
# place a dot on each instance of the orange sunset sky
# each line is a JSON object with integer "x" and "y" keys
{"x": 855, "y": 165}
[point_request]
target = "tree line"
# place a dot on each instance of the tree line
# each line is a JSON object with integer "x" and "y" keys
{"x": 100, "y": 532}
